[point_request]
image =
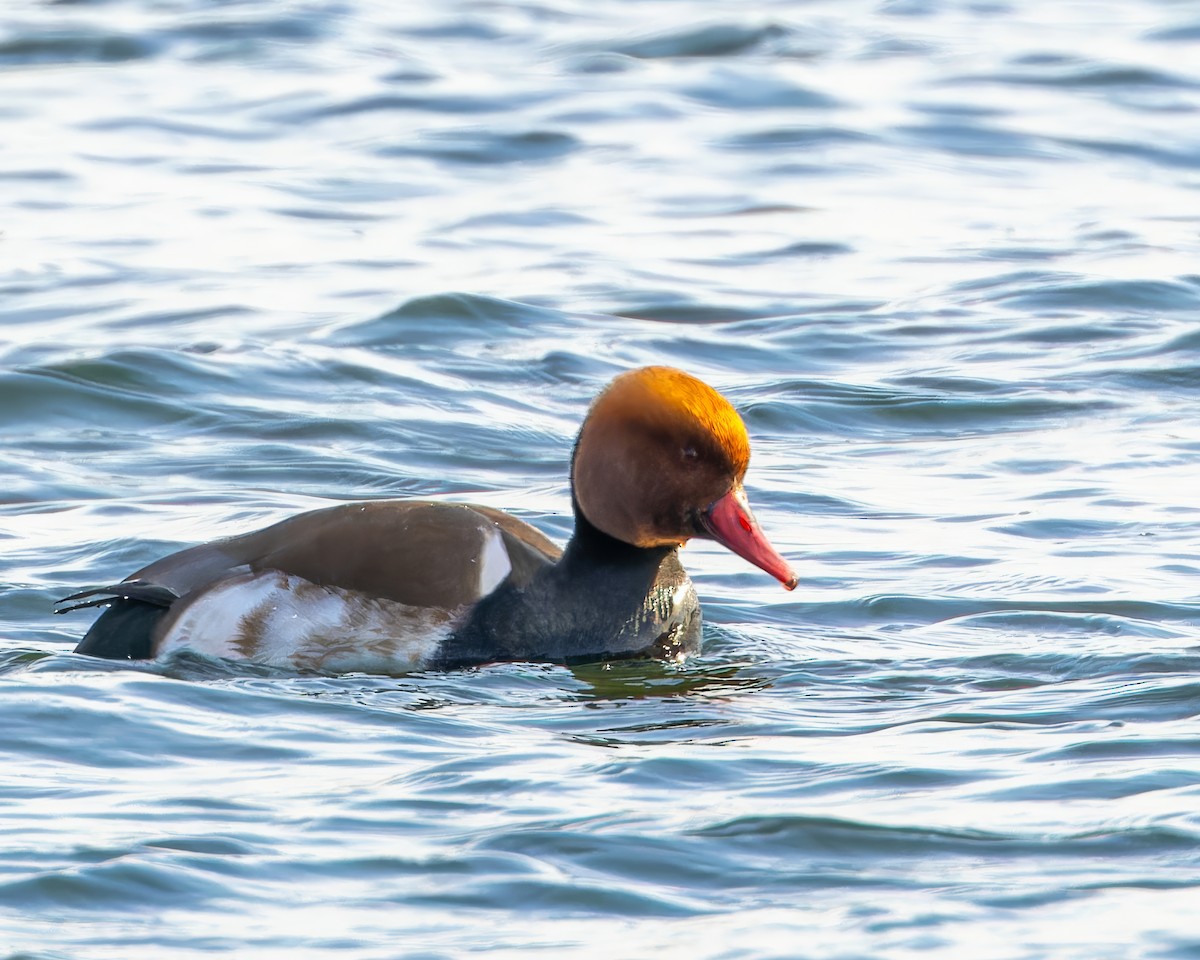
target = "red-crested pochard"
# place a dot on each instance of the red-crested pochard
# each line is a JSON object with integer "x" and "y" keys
{"x": 396, "y": 585}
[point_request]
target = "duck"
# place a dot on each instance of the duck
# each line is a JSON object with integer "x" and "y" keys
{"x": 399, "y": 585}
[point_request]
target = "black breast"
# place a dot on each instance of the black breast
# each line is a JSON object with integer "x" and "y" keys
{"x": 604, "y": 600}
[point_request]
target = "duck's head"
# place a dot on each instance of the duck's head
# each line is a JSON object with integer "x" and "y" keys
{"x": 660, "y": 459}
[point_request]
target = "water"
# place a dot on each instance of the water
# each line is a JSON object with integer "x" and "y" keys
{"x": 257, "y": 257}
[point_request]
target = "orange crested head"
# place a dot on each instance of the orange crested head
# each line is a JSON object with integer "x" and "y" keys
{"x": 660, "y": 459}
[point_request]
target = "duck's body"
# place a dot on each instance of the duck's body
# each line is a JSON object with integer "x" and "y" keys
{"x": 397, "y": 585}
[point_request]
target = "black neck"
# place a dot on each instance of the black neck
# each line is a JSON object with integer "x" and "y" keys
{"x": 591, "y": 547}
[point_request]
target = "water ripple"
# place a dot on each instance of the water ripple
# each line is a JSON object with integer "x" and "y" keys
{"x": 262, "y": 258}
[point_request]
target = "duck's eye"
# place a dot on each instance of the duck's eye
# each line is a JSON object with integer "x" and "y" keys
{"x": 689, "y": 454}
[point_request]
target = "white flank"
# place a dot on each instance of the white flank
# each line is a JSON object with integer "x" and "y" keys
{"x": 494, "y": 563}
{"x": 281, "y": 620}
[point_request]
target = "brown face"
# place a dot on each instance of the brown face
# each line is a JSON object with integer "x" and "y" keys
{"x": 658, "y": 448}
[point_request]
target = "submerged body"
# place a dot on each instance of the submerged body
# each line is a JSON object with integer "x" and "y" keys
{"x": 397, "y": 585}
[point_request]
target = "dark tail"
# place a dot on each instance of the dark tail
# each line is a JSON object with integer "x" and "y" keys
{"x": 125, "y": 631}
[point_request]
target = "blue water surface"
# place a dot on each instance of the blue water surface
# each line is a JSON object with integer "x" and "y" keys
{"x": 260, "y": 257}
